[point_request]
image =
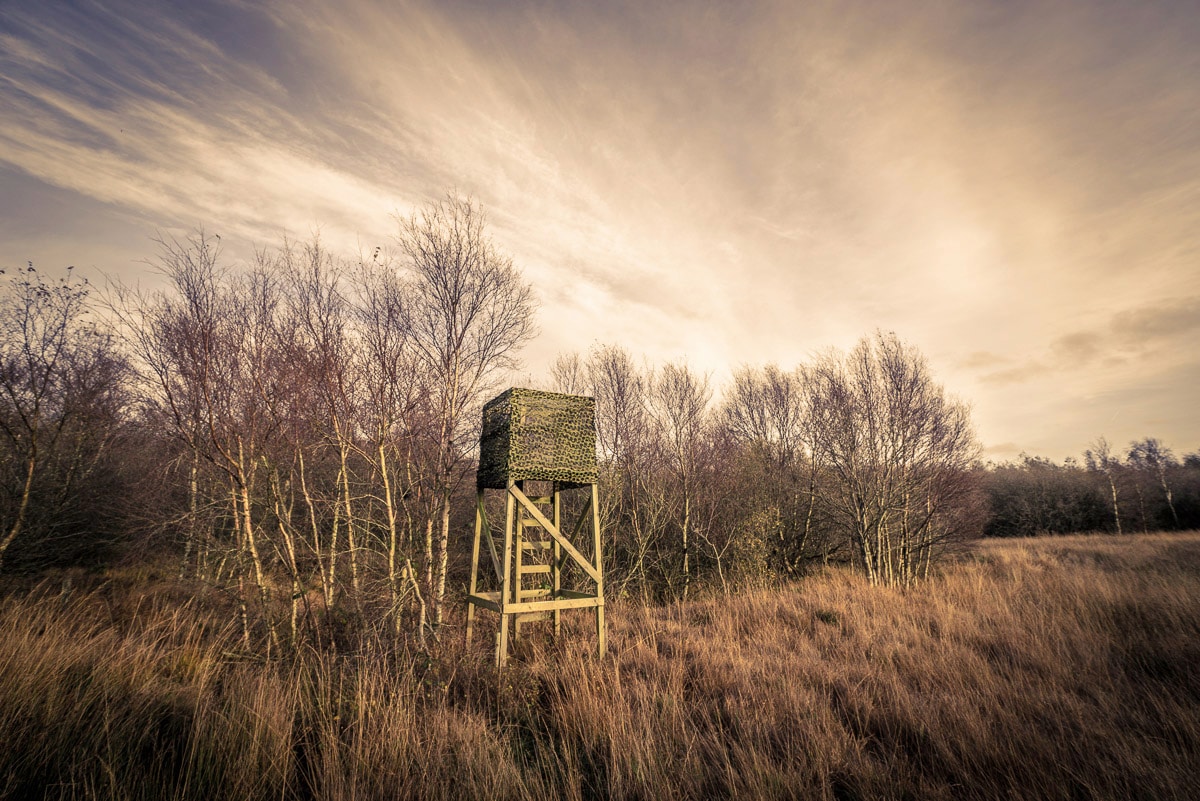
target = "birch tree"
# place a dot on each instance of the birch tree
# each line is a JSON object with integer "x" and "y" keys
{"x": 211, "y": 371}
{"x": 1153, "y": 458}
{"x": 470, "y": 313}
{"x": 898, "y": 451}
{"x": 395, "y": 414}
{"x": 680, "y": 401}
{"x": 1099, "y": 459}
{"x": 324, "y": 349}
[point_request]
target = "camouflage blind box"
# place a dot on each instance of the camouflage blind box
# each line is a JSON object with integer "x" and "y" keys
{"x": 539, "y": 436}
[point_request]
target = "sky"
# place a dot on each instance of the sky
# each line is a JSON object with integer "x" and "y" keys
{"x": 1013, "y": 187}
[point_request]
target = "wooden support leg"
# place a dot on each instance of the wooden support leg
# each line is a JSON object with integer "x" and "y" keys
{"x": 506, "y": 585}
{"x": 474, "y": 565}
{"x": 470, "y": 621}
{"x": 519, "y": 563}
{"x": 502, "y": 642}
{"x": 600, "y": 645}
{"x": 556, "y": 561}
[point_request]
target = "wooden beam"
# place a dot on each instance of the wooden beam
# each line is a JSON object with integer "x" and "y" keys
{"x": 474, "y": 570}
{"x": 582, "y": 517}
{"x": 486, "y": 603}
{"x": 487, "y": 532}
{"x": 587, "y": 566}
{"x": 546, "y": 606}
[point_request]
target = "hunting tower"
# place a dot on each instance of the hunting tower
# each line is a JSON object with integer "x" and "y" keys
{"x": 540, "y": 449}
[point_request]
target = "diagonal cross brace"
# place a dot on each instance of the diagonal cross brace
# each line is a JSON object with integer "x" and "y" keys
{"x": 583, "y": 516}
{"x": 487, "y": 532}
{"x": 583, "y": 562}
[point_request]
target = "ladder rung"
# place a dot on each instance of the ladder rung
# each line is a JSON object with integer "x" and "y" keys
{"x": 529, "y": 522}
{"x": 541, "y": 498}
{"x": 526, "y": 569}
{"x": 533, "y": 545}
{"x": 527, "y": 617}
{"x": 541, "y": 592}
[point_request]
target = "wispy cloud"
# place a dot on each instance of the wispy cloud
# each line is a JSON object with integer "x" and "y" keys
{"x": 1157, "y": 335}
{"x": 1016, "y": 188}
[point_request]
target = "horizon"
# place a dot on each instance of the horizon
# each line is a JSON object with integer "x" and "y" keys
{"x": 1013, "y": 189}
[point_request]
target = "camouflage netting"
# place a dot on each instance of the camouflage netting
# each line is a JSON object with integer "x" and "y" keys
{"x": 539, "y": 436}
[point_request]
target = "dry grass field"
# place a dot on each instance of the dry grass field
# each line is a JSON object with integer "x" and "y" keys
{"x": 1065, "y": 668}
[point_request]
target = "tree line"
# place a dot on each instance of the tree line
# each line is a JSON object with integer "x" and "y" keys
{"x": 298, "y": 435}
{"x": 1143, "y": 487}
{"x": 857, "y": 456}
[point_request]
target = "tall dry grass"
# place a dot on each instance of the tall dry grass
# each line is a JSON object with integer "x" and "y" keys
{"x": 1065, "y": 668}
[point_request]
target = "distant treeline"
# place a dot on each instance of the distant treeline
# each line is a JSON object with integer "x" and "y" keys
{"x": 1146, "y": 488}
{"x": 298, "y": 435}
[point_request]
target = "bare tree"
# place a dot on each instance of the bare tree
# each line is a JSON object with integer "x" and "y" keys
{"x": 1152, "y": 457}
{"x": 569, "y": 374}
{"x": 211, "y": 370}
{"x": 765, "y": 413}
{"x": 765, "y": 407}
{"x": 323, "y": 347}
{"x": 395, "y": 415}
{"x": 633, "y": 504}
{"x": 680, "y": 401}
{"x": 621, "y": 401}
{"x": 1099, "y": 459}
{"x": 899, "y": 452}
{"x": 56, "y": 369}
{"x": 470, "y": 312}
